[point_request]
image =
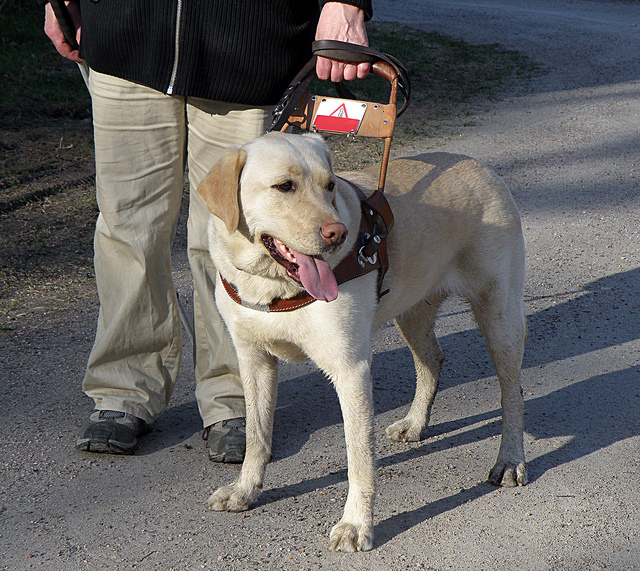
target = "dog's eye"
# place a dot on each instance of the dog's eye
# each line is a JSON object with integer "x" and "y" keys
{"x": 287, "y": 186}
{"x": 331, "y": 186}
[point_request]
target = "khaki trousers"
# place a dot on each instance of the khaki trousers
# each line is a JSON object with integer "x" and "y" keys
{"x": 143, "y": 142}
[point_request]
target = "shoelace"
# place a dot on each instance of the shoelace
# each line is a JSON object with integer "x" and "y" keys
{"x": 233, "y": 423}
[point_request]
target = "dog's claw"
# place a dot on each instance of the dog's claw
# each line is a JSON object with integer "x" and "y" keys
{"x": 508, "y": 474}
{"x": 404, "y": 431}
{"x": 348, "y": 537}
{"x": 228, "y": 498}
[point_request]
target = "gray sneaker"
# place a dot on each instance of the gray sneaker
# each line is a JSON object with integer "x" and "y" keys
{"x": 226, "y": 440}
{"x": 110, "y": 431}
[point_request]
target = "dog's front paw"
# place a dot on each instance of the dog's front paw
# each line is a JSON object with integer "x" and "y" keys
{"x": 404, "y": 430}
{"x": 349, "y": 537}
{"x": 508, "y": 474}
{"x": 231, "y": 499}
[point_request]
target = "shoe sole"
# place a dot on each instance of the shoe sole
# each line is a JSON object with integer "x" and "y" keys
{"x": 227, "y": 457}
{"x": 110, "y": 447}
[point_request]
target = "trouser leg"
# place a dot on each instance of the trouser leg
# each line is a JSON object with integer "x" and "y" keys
{"x": 213, "y": 127}
{"x": 140, "y": 147}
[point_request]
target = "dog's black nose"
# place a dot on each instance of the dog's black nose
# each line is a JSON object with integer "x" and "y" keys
{"x": 334, "y": 233}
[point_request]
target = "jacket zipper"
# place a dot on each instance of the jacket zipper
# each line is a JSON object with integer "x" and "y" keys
{"x": 174, "y": 71}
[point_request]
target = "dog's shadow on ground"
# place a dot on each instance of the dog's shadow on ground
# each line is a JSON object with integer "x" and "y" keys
{"x": 604, "y": 314}
{"x": 589, "y": 415}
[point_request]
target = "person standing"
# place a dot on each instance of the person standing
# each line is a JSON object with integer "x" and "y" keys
{"x": 173, "y": 84}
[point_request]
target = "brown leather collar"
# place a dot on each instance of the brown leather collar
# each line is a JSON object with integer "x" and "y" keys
{"x": 278, "y": 304}
{"x": 369, "y": 253}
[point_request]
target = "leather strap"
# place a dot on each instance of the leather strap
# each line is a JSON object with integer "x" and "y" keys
{"x": 277, "y": 305}
{"x": 65, "y": 21}
{"x": 353, "y": 53}
{"x": 376, "y": 222}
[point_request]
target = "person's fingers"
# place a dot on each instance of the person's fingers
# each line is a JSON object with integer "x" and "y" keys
{"x": 54, "y": 33}
{"x": 363, "y": 70}
{"x": 323, "y": 68}
{"x": 337, "y": 71}
{"x": 350, "y": 72}
{"x": 345, "y": 23}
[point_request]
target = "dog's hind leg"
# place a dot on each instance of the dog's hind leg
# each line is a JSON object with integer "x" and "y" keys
{"x": 417, "y": 329}
{"x": 259, "y": 371}
{"x": 501, "y": 319}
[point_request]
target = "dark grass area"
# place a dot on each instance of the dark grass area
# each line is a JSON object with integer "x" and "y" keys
{"x": 36, "y": 82}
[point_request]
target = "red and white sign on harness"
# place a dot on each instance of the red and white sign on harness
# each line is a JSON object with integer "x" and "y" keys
{"x": 339, "y": 115}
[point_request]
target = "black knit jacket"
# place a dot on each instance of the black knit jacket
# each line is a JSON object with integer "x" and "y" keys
{"x": 238, "y": 51}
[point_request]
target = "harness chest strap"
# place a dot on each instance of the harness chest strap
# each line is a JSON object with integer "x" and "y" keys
{"x": 368, "y": 254}
{"x": 370, "y": 251}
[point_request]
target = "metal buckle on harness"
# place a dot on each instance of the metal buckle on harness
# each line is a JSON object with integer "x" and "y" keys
{"x": 362, "y": 256}
{"x": 280, "y": 107}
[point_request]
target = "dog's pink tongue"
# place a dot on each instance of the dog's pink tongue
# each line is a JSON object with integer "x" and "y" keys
{"x": 317, "y": 277}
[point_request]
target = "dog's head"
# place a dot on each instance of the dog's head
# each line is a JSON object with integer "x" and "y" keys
{"x": 280, "y": 190}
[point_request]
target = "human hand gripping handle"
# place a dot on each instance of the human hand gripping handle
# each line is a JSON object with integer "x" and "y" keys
{"x": 345, "y": 23}
{"x": 54, "y": 30}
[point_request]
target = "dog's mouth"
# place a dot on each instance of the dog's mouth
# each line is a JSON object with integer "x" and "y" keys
{"x": 311, "y": 272}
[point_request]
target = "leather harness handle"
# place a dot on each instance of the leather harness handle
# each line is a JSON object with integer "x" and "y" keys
{"x": 349, "y": 53}
{"x": 296, "y": 101}
{"x": 353, "y": 53}
{"x": 65, "y": 21}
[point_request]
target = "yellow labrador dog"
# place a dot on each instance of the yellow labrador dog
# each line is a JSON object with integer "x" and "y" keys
{"x": 282, "y": 220}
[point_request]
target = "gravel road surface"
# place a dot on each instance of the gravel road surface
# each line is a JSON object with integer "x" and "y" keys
{"x": 569, "y": 149}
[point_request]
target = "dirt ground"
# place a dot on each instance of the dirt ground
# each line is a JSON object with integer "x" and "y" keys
{"x": 48, "y": 216}
{"x": 569, "y": 151}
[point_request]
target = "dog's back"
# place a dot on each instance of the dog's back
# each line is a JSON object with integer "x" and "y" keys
{"x": 457, "y": 229}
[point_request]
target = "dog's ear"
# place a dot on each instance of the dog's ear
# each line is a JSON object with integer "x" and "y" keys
{"x": 219, "y": 189}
